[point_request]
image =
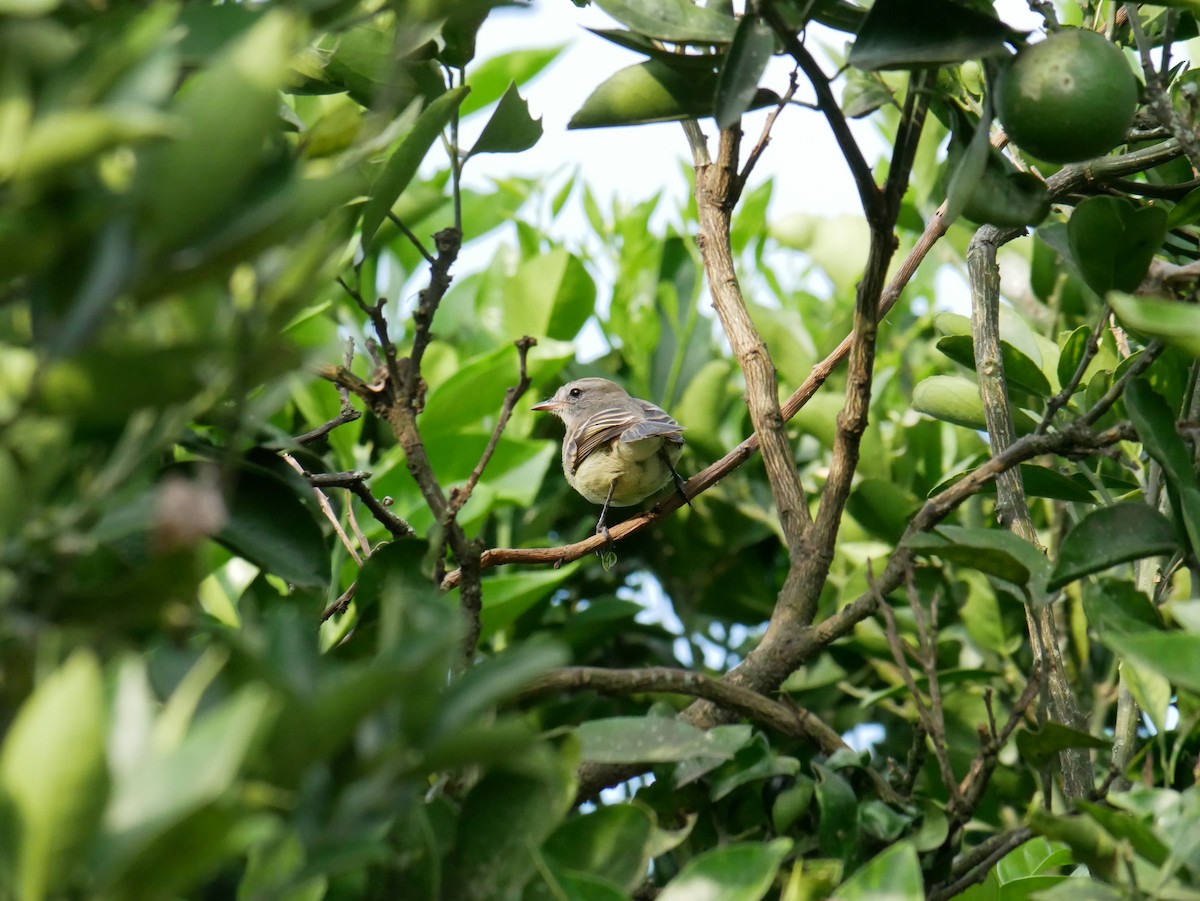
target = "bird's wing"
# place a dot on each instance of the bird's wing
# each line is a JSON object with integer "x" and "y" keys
{"x": 603, "y": 428}
{"x": 657, "y": 423}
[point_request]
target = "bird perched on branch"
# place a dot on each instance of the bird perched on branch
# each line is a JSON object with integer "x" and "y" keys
{"x": 617, "y": 450}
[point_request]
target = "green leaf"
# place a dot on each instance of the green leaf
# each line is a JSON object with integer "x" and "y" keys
{"x": 505, "y": 597}
{"x": 792, "y": 803}
{"x": 752, "y": 48}
{"x": 1112, "y": 241}
{"x": 1155, "y": 425}
{"x": 188, "y": 183}
{"x": 639, "y": 43}
{"x": 504, "y": 819}
{"x": 53, "y": 776}
{"x": 993, "y": 551}
{"x": 654, "y": 91}
{"x": 511, "y": 129}
{"x": 738, "y": 872}
{"x": 69, "y": 137}
{"x": 1019, "y": 370}
{"x": 1124, "y": 825}
{"x": 677, "y": 21}
{"x": 1112, "y": 535}
{"x": 645, "y": 739}
{"x": 171, "y": 786}
{"x": 27, "y": 8}
{"x": 1171, "y": 321}
{"x": 1175, "y": 655}
{"x": 402, "y": 165}
{"x": 893, "y": 875}
{"x": 550, "y": 295}
{"x": 1089, "y": 843}
{"x": 968, "y": 159}
{"x": 838, "y": 827}
{"x": 986, "y": 187}
{"x": 956, "y": 400}
{"x": 882, "y": 507}
{"x": 1073, "y": 350}
{"x": 269, "y": 525}
{"x": 612, "y": 841}
{"x": 489, "y": 80}
{"x": 906, "y": 34}
{"x": 1038, "y": 746}
{"x": 490, "y": 681}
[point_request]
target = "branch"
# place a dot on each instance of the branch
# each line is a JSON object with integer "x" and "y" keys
{"x": 716, "y": 186}
{"x": 460, "y": 496}
{"x": 931, "y": 725}
{"x": 785, "y": 718}
{"x": 1061, "y": 399}
{"x": 764, "y": 137}
{"x": 346, "y": 413}
{"x": 472, "y": 594}
{"x": 974, "y": 865}
{"x": 852, "y": 419}
{"x": 356, "y": 484}
{"x": 1012, "y": 509}
{"x": 1160, "y": 98}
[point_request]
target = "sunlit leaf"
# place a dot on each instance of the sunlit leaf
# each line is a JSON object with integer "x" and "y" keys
{"x": 740, "y": 872}
{"x": 511, "y": 129}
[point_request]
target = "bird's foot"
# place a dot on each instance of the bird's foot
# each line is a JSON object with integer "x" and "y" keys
{"x": 607, "y": 553}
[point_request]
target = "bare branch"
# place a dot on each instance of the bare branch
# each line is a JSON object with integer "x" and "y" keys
{"x": 460, "y": 496}
{"x": 1012, "y": 509}
{"x": 764, "y": 137}
{"x": 715, "y": 188}
{"x": 356, "y": 484}
{"x": 973, "y": 866}
{"x": 413, "y": 239}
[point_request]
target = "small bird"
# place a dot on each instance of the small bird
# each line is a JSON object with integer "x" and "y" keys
{"x": 617, "y": 450}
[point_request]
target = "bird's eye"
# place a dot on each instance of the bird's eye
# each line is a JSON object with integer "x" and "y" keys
{"x": 576, "y": 392}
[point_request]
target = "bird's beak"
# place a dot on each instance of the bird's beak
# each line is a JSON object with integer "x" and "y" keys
{"x": 547, "y": 406}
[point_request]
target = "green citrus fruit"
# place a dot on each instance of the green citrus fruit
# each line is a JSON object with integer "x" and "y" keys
{"x": 1068, "y": 98}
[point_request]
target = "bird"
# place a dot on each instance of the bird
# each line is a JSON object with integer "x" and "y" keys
{"x": 618, "y": 450}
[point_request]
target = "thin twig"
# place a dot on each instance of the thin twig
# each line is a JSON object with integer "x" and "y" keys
{"x": 460, "y": 496}
{"x": 340, "y": 605}
{"x": 413, "y": 239}
{"x": 356, "y": 484}
{"x": 326, "y": 508}
{"x": 974, "y": 865}
{"x": 1061, "y": 399}
{"x": 346, "y": 413}
{"x": 931, "y": 725}
{"x": 764, "y": 137}
{"x": 1117, "y": 388}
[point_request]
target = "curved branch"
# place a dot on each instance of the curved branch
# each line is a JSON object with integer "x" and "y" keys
{"x": 786, "y": 718}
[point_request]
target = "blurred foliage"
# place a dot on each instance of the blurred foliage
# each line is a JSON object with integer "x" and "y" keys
{"x": 183, "y": 185}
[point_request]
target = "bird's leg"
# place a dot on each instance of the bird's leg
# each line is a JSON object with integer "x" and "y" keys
{"x": 601, "y": 528}
{"x": 678, "y": 479}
